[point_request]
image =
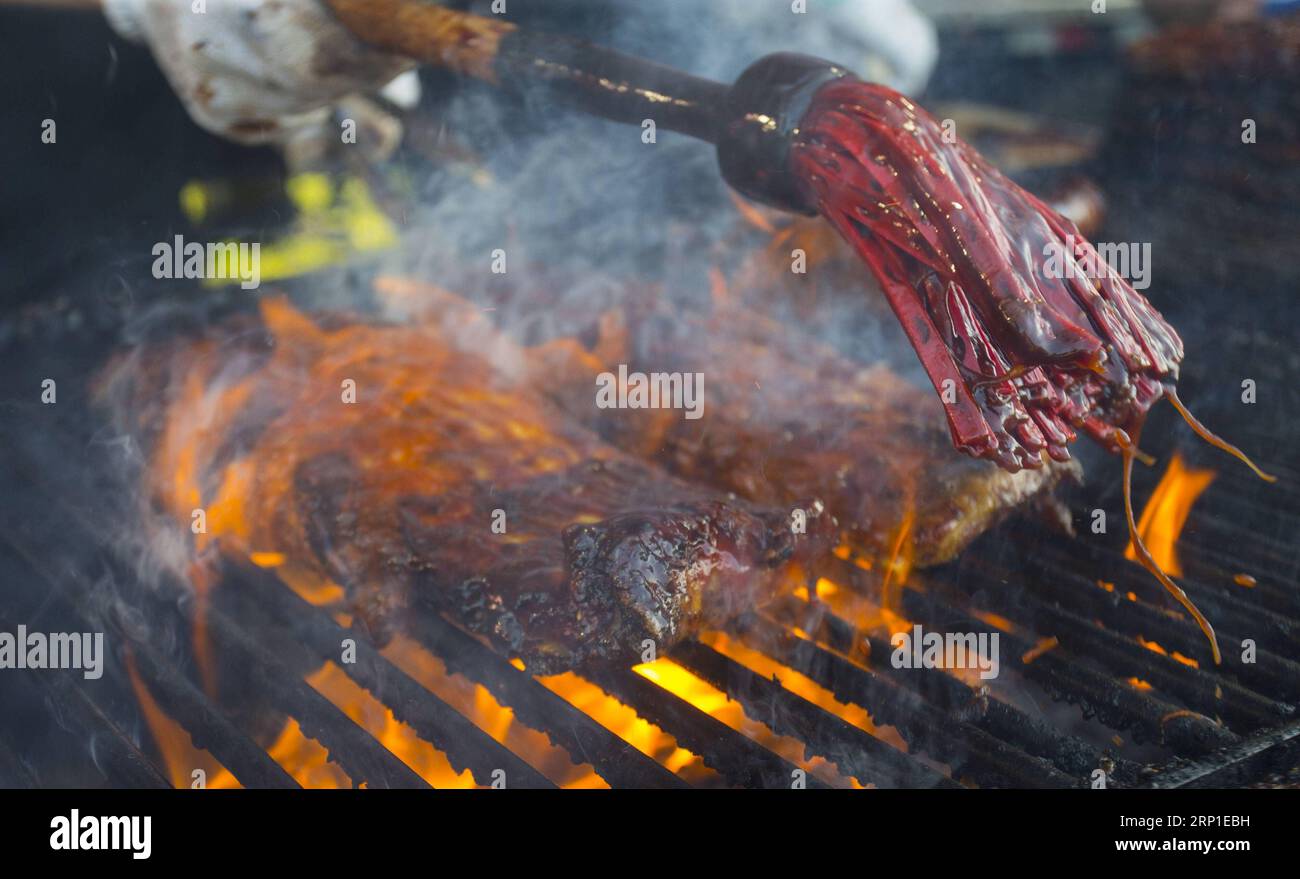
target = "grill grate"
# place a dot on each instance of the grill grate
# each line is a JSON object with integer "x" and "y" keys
{"x": 1206, "y": 726}
{"x": 264, "y": 626}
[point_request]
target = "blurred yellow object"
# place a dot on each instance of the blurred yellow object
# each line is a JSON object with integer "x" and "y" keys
{"x": 310, "y": 193}
{"x": 334, "y": 224}
{"x": 194, "y": 201}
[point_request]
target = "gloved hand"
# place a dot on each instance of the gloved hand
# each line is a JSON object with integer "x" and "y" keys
{"x": 264, "y": 71}
{"x": 901, "y": 45}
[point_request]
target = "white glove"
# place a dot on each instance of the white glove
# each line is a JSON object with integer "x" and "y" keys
{"x": 894, "y": 32}
{"x": 259, "y": 71}
{"x": 885, "y": 41}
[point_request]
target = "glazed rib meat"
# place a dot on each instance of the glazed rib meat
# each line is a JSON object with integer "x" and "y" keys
{"x": 786, "y": 417}
{"x": 440, "y": 485}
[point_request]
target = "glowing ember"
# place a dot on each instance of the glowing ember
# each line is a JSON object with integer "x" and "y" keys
{"x": 1043, "y": 646}
{"x": 996, "y": 621}
{"x": 866, "y": 614}
{"x": 472, "y": 700}
{"x": 306, "y": 759}
{"x": 1155, "y": 647}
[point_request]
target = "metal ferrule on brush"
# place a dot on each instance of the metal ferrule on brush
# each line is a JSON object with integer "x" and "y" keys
{"x": 763, "y": 111}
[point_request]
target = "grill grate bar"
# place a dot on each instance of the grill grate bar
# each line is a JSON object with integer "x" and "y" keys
{"x": 1274, "y": 589}
{"x": 736, "y": 757}
{"x": 1201, "y": 690}
{"x": 587, "y": 741}
{"x": 361, "y": 756}
{"x": 207, "y": 725}
{"x": 464, "y": 744}
{"x": 1259, "y": 501}
{"x": 1277, "y": 749}
{"x": 955, "y": 738}
{"x": 115, "y": 756}
{"x": 1233, "y": 612}
{"x": 121, "y": 762}
{"x": 854, "y": 751}
{"x": 954, "y": 698}
{"x": 1114, "y": 702}
{"x": 1052, "y": 577}
{"x": 1230, "y": 545}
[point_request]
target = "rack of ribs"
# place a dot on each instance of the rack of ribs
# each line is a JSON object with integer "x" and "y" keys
{"x": 443, "y": 485}
{"x": 786, "y": 417}
{"x": 473, "y": 476}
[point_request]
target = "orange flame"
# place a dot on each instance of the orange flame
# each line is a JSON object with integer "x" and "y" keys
{"x": 1166, "y": 513}
{"x": 805, "y": 687}
{"x": 624, "y": 722}
{"x": 681, "y": 682}
{"x": 377, "y": 719}
{"x": 482, "y": 708}
{"x": 471, "y": 700}
{"x": 862, "y": 611}
{"x": 899, "y": 566}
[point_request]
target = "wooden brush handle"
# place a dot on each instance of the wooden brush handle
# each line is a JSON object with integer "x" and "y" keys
{"x": 752, "y": 122}
{"x": 88, "y": 5}
{"x": 458, "y": 41}
{"x": 598, "y": 80}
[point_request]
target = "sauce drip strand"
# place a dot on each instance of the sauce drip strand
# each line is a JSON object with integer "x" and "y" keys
{"x": 1126, "y": 450}
{"x": 1025, "y": 331}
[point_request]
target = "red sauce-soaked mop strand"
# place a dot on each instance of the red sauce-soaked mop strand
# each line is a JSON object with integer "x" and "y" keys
{"x": 1025, "y": 331}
